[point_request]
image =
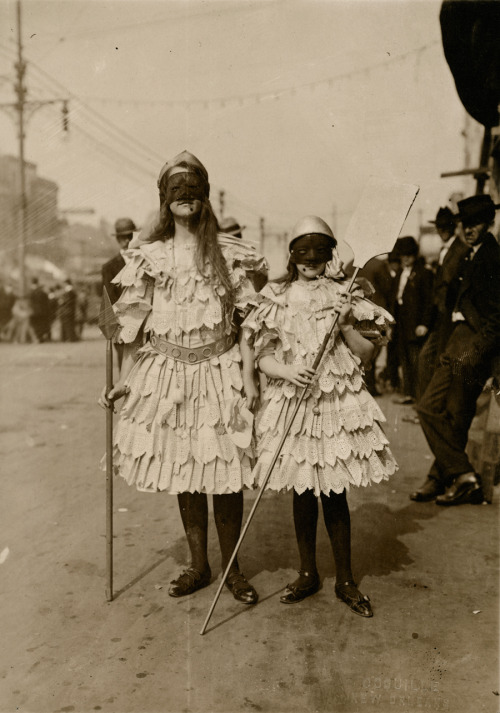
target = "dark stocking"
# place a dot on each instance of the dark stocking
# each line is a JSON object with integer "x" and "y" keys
{"x": 305, "y": 518}
{"x": 228, "y": 514}
{"x": 194, "y": 513}
{"x": 338, "y": 525}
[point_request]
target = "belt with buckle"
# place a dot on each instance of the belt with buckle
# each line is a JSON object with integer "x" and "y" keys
{"x": 192, "y": 355}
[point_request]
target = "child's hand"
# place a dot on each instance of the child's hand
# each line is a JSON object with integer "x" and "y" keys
{"x": 250, "y": 390}
{"x": 106, "y": 400}
{"x": 298, "y": 374}
{"x": 344, "y": 308}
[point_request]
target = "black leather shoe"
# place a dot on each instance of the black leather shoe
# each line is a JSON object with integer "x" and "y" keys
{"x": 299, "y": 590}
{"x": 428, "y": 491}
{"x": 189, "y": 581}
{"x": 357, "y": 602}
{"x": 241, "y": 589}
{"x": 465, "y": 489}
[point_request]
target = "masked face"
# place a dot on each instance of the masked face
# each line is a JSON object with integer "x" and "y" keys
{"x": 311, "y": 250}
{"x": 185, "y": 186}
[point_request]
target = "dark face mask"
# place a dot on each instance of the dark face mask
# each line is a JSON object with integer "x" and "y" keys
{"x": 311, "y": 250}
{"x": 186, "y": 186}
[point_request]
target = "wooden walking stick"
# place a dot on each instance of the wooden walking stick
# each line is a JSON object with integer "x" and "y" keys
{"x": 109, "y": 326}
{"x": 373, "y": 230}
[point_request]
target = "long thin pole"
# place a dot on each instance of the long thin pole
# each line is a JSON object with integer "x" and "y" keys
{"x": 21, "y": 92}
{"x": 275, "y": 458}
{"x": 109, "y": 474}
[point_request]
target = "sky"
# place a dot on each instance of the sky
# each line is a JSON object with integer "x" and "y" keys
{"x": 291, "y": 105}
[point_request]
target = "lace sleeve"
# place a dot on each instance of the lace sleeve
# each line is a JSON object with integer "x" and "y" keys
{"x": 135, "y": 303}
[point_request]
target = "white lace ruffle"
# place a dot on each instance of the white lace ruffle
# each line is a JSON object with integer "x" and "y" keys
{"x": 175, "y": 300}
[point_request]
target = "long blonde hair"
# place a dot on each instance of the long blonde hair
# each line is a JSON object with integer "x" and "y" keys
{"x": 208, "y": 250}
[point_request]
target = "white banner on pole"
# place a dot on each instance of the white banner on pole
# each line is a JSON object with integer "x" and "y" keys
{"x": 378, "y": 219}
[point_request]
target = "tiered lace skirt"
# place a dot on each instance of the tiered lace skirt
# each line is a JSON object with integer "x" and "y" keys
{"x": 335, "y": 442}
{"x": 171, "y": 433}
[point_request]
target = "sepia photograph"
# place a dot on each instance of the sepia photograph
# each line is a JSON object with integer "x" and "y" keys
{"x": 249, "y": 356}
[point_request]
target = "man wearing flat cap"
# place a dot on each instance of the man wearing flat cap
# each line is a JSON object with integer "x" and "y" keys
{"x": 448, "y": 405}
{"x": 444, "y": 295}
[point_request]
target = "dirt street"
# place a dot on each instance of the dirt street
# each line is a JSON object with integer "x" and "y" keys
{"x": 431, "y": 573}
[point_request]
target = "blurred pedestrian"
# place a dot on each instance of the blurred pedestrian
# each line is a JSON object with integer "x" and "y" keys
{"x": 124, "y": 232}
{"x": 448, "y": 404}
{"x": 7, "y": 300}
{"x": 67, "y": 312}
{"x": 381, "y": 274}
{"x": 19, "y": 328}
{"x": 230, "y": 226}
{"x": 53, "y": 295}
{"x": 185, "y": 290}
{"x": 82, "y": 304}
{"x": 384, "y": 284}
{"x": 412, "y": 311}
{"x": 444, "y": 294}
{"x": 40, "y": 309}
{"x": 336, "y": 441}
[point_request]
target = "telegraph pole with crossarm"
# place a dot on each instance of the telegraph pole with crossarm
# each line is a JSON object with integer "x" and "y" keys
{"x": 22, "y": 110}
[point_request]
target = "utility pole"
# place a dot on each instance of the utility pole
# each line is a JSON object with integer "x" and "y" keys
{"x": 21, "y": 94}
{"x": 262, "y": 236}
{"x": 222, "y": 195}
{"x": 22, "y": 109}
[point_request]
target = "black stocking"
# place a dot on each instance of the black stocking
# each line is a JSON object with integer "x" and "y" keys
{"x": 228, "y": 514}
{"x": 194, "y": 513}
{"x": 305, "y": 518}
{"x": 338, "y": 525}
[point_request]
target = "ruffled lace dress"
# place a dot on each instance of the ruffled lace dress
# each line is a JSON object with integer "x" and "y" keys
{"x": 336, "y": 440}
{"x": 171, "y": 434}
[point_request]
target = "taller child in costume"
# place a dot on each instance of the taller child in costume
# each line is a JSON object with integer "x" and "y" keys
{"x": 185, "y": 286}
{"x": 335, "y": 440}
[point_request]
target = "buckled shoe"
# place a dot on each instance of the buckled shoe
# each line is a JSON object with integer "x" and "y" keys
{"x": 189, "y": 581}
{"x": 240, "y": 588}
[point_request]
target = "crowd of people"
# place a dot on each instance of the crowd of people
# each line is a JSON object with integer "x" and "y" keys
{"x": 57, "y": 312}
{"x": 445, "y": 340}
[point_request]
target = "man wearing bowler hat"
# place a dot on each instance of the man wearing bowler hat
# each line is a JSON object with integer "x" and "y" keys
{"x": 230, "y": 226}
{"x": 448, "y": 405}
{"x": 444, "y": 295}
{"x": 124, "y": 232}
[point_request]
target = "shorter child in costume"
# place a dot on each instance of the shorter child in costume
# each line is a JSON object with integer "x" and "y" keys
{"x": 335, "y": 440}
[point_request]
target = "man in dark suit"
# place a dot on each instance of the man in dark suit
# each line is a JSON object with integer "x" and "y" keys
{"x": 444, "y": 297}
{"x": 412, "y": 301}
{"x": 448, "y": 405}
{"x": 124, "y": 232}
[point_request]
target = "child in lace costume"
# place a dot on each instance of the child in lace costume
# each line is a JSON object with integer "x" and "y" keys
{"x": 185, "y": 290}
{"x": 335, "y": 441}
